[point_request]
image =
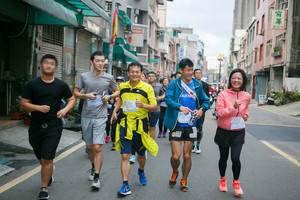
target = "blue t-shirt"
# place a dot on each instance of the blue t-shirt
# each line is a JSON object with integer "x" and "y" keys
{"x": 187, "y": 100}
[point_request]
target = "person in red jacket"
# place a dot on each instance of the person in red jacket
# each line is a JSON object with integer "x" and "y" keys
{"x": 232, "y": 110}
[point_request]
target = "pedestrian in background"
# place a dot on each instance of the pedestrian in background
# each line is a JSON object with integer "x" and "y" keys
{"x": 232, "y": 110}
{"x": 163, "y": 108}
{"x": 42, "y": 96}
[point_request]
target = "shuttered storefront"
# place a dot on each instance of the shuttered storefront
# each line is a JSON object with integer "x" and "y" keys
{"x": 83, "y": 52}
{"x": 52, "y": 43}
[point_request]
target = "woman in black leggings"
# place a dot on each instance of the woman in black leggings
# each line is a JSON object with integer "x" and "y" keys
{"x": 163, "y": 108}
{"x": 232, "y": 111}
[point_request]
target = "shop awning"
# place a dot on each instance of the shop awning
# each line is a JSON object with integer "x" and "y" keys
{"x": 89, "y": 8}
{"x": 124, "y": 17}
{"x": 56, "y": 10}
{"x": 120, "y": 53}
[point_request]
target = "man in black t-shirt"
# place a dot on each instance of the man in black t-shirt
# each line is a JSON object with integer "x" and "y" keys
{"x": 42, "y": 96}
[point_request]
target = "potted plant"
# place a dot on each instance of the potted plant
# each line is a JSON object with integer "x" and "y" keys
{"x": 16, "y": 110}
{"x": 27, "y": 118}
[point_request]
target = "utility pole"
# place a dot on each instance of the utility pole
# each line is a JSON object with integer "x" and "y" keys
{"x": 220, "y": 58}
{"x": 110, "y": 54}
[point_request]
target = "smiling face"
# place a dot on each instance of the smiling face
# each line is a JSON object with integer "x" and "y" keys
{"x": 187, "y": 72}
{"x": 236, "y": 81}
{"x": 134, "y": 73}
{"x": 98, "y": 62}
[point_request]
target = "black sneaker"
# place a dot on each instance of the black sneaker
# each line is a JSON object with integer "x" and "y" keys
{"x": 44, "y": 194}
{"x": 51, "y": 181}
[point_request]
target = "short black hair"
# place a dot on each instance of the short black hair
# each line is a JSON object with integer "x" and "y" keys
{"x": 173, "y": 75}
{"x": 243, "y": 86}
{"x": 145, "y": 74}
{"x": 152, "y": 72}
{"x": 49, "y": 56}
{"x": 177, "y": 73}
{"x": 197, "y": 69}
{"x": 186, "y": 62}
{"x": 97, "y": 53}
{"x": 135, "y": 64}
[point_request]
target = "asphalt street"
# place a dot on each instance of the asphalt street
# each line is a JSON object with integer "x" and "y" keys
{"x": 266, "y": 174}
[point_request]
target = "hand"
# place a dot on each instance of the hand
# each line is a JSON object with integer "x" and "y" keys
{"x": 139, "y": 103}
{"x": 44, "y": 109}
{"x": 106, "y": 98}
{"x": 245, "y": 117}
{"x": 91, "y": 95}
{"x": 114, "y": 117}
{"x": 237, "y": 103}
{"x": 185, "y": 110}
{"x": 61, "y": 113}
{"x": 198, "y": 113}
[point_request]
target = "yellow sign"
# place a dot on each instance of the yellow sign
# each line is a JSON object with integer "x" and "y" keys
{"x": 220, "y": 57}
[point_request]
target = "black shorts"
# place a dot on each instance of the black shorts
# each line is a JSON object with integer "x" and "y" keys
{"x": 44, "y": 139}
{"x": 226, "y": 138}
{"x": 184, "y": 134}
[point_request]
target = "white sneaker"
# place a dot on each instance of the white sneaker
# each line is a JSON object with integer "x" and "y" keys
{"x": 198, "y": 150}
{"x": 96, "y": 184}
{"x": 194, "y": 149}
{"x": 91, "y": 174}
{"x": 132, "y": 159}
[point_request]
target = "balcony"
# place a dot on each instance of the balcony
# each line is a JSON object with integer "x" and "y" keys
{"x": 141, "y": 26}
{"x": 143, "y": 58}
{"x": 276, "y": 54}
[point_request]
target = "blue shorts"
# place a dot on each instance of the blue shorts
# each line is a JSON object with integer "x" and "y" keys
{"x": 128, "y": 145}
{"x": 153, "y": 118}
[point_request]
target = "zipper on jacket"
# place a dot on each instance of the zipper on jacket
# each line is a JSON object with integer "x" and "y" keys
{"x": 178, "y": 111}
{"x": 238, "y": 108}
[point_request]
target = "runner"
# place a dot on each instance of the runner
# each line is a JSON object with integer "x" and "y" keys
{"x": 198, "y": 76}
{"x": 232, "y": 110}
{"x": 94, "y": 112}
{"x": 173, "y": 77}
{"x": 177, "y": 75}
{"x": 186, "y": 103}
{"x": 144, "y": 77}
{"x": 42, "y": 96}
{"x": 153, "y": 116}
{"x": 119, "y": 80}
{"x": 137, "y": 99}
{"x": 163, "y": 107}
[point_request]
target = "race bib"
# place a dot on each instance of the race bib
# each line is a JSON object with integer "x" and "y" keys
{"x": 95, "y": 103}
{"x": 237, "y": 123}
{"x": 194, "y": 134}
{"x": 130, "y": 106}
{"x": 182, "y": 118}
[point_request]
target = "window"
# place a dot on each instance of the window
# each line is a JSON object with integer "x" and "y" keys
{"x": 269, "y": 47}
{"x": 282, "y": 4}
{"x": 139, "y": 49}
{"x": 255, "y": 56}
{"x": 262, "y": 23}
{"x": 261, "y": 51}
{"x": 258, "y": 4}
{"x": 271, "y": 9}
{"x": 129, "y": 12}
{"x": 257, "y": 27}
{"x": 150, "y": 29}
{"x": 279, "y": 41}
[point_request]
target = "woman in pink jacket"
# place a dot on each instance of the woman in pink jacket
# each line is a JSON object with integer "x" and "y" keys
{"x": 232, "y": 111}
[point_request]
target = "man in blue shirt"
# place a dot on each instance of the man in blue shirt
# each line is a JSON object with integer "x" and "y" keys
{"x": 186, "y": 103}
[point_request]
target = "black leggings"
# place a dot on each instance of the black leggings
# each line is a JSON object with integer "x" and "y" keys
{"x": 235, "y": 158}
{"x": 161, "y": 119}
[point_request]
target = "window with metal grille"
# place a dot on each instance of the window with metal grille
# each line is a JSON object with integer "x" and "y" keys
{"x": 53, "y": 35}
{"x": 282, "y": 4}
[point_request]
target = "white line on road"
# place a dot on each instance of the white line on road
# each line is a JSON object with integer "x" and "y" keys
{"x": 293, "y": 126}
{"x": 34, "y": 171}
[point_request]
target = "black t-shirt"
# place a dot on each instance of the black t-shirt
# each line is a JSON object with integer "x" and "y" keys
{"x": 50, "y": 94}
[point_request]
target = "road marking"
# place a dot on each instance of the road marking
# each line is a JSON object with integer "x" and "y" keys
{"x": 277, "y": 113}
{"x": 34, "y": 171}
{"x": 287, "y": 156}
{"x": 272, "y": 124}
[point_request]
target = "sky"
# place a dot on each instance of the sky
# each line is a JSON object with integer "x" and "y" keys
{"x": 210, "y": 19}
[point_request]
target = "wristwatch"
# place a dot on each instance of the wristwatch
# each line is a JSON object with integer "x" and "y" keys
{"x": 110, "y": 97}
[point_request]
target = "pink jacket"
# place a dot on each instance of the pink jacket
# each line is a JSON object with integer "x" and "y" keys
{"x": 225, "y": 107}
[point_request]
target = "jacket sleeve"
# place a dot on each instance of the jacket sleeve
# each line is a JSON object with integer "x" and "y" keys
{"x": 222, "y": 111}
{"x": 204, "y": 99}
{"x": 247, "y": 106}
{"x": 170, "y": 97}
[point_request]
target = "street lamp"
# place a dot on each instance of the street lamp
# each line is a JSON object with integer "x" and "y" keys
{"x": 220, "y": 58}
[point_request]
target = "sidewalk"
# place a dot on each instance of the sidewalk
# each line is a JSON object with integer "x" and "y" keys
{"x": 290, "y": 110}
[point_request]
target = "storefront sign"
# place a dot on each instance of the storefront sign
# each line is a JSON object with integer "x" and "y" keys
{"x": 262, "y": 99}
{"x": 137, "y": 38}
{"x": 278, "y": 19}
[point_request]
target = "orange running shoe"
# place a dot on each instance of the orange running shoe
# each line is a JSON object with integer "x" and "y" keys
{"x": 172, "y": 182}
{"x": 237, "y": 188}
{"x": 184, "y": 187}
{"x": 223, "y": 185}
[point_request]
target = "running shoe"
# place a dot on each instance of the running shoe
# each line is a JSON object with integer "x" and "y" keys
{"x": 132, "y": 159}
{"x": 198, "y": 150}
{"x": 223, "y": 185}
{"x": 142, "y": 178}
{"x": 107, "y": 139}
{"x": 194, "y": 149}
{"x": 164, "y": 135}
{"x": 44, "y": 194}
{"x": 125, "y": 190}
{"x": 113, "y": 147}
{"x": 91, "y": 174}
{"x": 237, "y": 188}
{"x": 96, "y": 184}
{"x": 184, "y": 187}
{"x": 172, "y": 182}
{"x": 159, "y": 134}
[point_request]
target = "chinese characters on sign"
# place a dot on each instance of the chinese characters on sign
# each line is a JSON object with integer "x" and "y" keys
{"x": 278, "y": 19}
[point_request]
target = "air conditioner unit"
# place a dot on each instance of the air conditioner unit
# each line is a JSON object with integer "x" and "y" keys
{"x": 136, "y": 12}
